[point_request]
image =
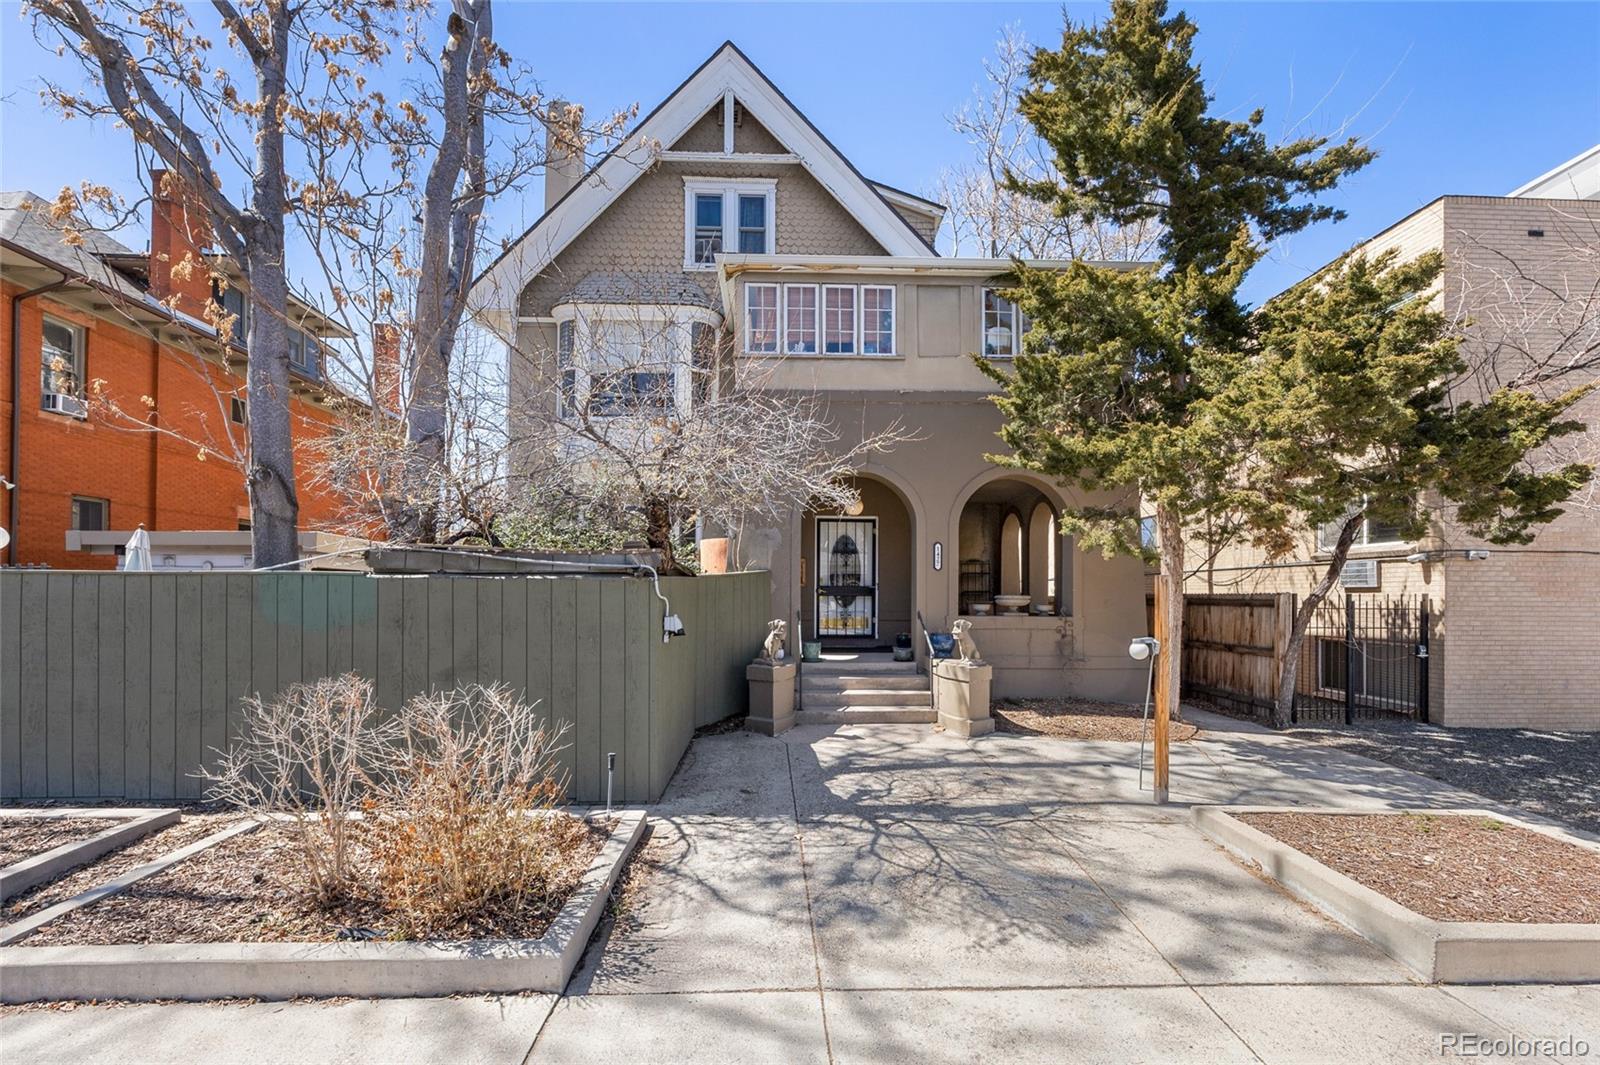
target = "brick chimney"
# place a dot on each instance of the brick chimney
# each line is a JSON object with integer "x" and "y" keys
{"x": 180, "y": 231}
{"x": 563, "y": 148}
{"x": 386, "y": 367}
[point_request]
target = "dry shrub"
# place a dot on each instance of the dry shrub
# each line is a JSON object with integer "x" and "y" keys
{"x": 465, "y": 833}
{"x": 306, "y": 753}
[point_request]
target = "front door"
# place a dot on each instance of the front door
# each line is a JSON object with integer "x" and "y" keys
{"x": 847, "y": 577}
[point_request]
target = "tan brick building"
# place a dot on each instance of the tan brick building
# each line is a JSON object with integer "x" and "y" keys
{"x": 1516, "y": 634}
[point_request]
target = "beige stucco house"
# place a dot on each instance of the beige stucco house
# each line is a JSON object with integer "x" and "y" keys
{"x": 1515, "y": 630}
{"x": 730, "y": 226}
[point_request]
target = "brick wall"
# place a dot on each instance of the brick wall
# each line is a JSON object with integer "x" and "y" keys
{"x": 146, "y": 476}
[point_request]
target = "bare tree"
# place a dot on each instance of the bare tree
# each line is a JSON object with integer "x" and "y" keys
{"x": 211, "y": 114}
{"x": 647, "y": 420}
{"x": 985, "y": 215}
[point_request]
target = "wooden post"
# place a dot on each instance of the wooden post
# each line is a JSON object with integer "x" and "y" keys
{"x": 1159, "y": 738}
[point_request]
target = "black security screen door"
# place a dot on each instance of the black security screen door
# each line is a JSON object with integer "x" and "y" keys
{"x": 847, "y": 577}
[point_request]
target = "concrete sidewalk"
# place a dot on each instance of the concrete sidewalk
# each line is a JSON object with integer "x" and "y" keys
{"x": 887, "y": 893}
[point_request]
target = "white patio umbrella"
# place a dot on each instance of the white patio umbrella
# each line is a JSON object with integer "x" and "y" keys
{"x": 136, "y": 556}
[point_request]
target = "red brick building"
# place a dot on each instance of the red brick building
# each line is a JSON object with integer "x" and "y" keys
{"x": 119, "y": 403}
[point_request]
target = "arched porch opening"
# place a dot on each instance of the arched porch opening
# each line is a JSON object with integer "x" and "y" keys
{"x": 1011, "y": 545}
{"x": 857, "y": 571}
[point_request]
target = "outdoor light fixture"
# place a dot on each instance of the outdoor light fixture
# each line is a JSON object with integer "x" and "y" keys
{"x": 1141, "y": 649}
{"x": 1475, "y": 554}
{"x": 855, "y": 508}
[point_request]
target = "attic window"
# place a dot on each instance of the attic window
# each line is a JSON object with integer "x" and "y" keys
{"x": 727, "y": 214}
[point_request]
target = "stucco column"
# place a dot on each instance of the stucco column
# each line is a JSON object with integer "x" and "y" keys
{"x": 961, "y": 695}
{"x": 771, "y": 697}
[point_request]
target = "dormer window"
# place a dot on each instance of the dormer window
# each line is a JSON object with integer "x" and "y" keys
{"x": 727, "y": 215}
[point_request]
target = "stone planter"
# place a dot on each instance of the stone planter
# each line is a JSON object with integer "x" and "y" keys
{"x": 771, "y": 697}
{"x": 961, "y": 696}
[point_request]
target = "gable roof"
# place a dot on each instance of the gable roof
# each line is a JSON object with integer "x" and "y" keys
{"x": 499, "y": 285}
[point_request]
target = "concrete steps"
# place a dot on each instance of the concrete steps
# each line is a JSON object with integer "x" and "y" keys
{"x": 864, "y": 689}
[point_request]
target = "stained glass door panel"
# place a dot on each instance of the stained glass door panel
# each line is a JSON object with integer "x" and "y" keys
{"x": 847, "y": 577}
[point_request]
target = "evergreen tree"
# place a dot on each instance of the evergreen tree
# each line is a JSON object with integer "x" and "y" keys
{"x": 1352, "y": 412}
{"x": 1119, "y": 369}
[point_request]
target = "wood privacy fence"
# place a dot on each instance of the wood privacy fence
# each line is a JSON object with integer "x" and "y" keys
{"x": 1232, "y": 647}
{"x": 118, "y": 685}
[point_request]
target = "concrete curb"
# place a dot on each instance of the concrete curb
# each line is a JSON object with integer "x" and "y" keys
{"x": 20, "y": 930}
{"x": 202, "y": 971}
{"x": 31, "y": 872}
{"x": 1451, "y": 952}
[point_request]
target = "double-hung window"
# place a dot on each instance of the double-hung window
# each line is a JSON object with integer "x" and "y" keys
{"x": 877, "y": 319}
{"x": 1003, "y": 326}
{"x": 799, "y": 319}
{"x": 761, "y": 319}
{"x": 90, "y": 515}
{"x": 566, "y": 369}
{"x": 818, "y": 319}
{"x": 727, "y": 214}
{"x": 61, "y": 358}
{"x": 839, "y": 319}
{"x": 1372, "y": 531}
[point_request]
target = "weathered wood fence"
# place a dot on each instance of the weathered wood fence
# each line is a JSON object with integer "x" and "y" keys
{"x": 1232, "y": 647}
{"x": 117, "y": 685}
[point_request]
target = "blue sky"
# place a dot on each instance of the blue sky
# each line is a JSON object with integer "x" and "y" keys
{"x": 1459, "y": 98}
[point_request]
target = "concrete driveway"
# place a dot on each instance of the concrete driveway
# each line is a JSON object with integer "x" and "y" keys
{"x": 886, "y": 893}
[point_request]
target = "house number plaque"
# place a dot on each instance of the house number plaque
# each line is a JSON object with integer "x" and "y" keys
{"x": 938, "y": 555}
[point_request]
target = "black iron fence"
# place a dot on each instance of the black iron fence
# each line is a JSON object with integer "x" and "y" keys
{"x": 1365, "y": 658}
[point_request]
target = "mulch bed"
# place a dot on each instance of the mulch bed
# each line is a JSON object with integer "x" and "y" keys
{"x": 24, "y": 837}
{"x": 161, "y": 842}
{"x": 1078, "y": 719}
{"x": 1450, "y": 867}
{"x": 250, "y": 888}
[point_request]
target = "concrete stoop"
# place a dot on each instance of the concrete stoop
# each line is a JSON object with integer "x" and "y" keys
{"x": 864, "y": 692}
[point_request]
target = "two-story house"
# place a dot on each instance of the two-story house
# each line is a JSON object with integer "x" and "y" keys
{"x": 122, "y": 405}
{"x": 727, "y": 216}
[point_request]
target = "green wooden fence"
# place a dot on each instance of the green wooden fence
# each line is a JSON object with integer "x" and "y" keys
{"x": 122, "y": 686}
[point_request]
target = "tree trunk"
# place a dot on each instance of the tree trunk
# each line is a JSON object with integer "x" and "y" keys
{"x": 449, "y": 240}
{"x": 1169, "y": 526}
{"x": 658, "y": 532}
{"x": 1283, "y": 708}
{"x": 274, "y": 506}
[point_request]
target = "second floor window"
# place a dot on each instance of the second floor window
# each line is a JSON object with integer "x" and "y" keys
{"x": 800, "y": 319}
{"x": 61, "y": 358}
{"x": 726, "y": 215}
{"x": 839, "y": 319}
{"x": 1004, "y": 325}
{"x": 1372, "y": 531}
{"x": 761, "y": 319}
{"x": 627, "y": 360}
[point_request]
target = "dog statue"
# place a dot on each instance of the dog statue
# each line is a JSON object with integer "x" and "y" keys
{"x": 962, "y": 631}
{"x": 772, "y": 648}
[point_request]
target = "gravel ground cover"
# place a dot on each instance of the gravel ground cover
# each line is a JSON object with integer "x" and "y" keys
{"x": 1553, "y": 774}
{"x": 163, "y": 841}
{"x": 1451, "y": 867}
{"x": 23, "y": 837}
{"x": 1078, "y": 719}
{"x": 249, "y": 889}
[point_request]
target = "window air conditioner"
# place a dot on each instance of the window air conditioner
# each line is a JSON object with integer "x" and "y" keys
{"x": 63, "y": 403}
{"x": 1359, "y": 573}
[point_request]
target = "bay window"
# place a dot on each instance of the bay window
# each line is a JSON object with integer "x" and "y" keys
{"x": 619, "y": 360}
{"x": 727, "y": 214}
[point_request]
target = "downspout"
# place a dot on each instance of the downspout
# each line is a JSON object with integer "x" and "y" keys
{"x": 16, "y": 404}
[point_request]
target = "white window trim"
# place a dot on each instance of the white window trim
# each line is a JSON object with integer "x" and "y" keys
{"x": 80, "y": 352}
{"x": 730, "y": 189}
{"x": 1361, "y": 541}
{"x": 680, "y": 318}
{"x": 861, "y": 322}
{"x": 1018, "y": 324}
{"x": 783, "y": 322}
{"x": 855, "y": 321}
{"x": 859, "y": 336}
{"x": 777, "y": 330}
